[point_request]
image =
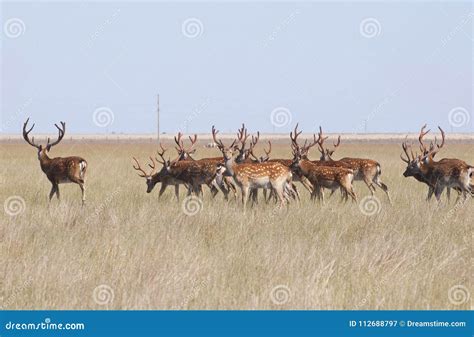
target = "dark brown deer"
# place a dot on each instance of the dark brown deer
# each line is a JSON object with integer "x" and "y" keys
{"x": 225, "y": 184}
{"x": 366, "y": 170}
{"x": 438, "y": 175}
{"x": 163, "y": 176}
{"x": 58, "y": 170}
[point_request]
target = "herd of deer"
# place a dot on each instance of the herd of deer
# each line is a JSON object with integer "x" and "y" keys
{"x": 240, "y": 167}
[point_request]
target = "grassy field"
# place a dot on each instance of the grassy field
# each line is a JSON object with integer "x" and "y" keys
{"x": 128, "y": 250}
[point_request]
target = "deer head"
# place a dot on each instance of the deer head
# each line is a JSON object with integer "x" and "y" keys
{"x": 326, "y": 154}
{"x": 300, "y": 152}
{"x": 183, "y": 153}
{"x": 43, "y": 150}
{"x": 227, "y": 152}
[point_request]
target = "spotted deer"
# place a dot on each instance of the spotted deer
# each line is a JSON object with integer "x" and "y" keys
{"x": 366, "y": 170}
{"x": 58, "y": 170}
{"x": 249, "y": 176}
{"x": 321, "y": 176}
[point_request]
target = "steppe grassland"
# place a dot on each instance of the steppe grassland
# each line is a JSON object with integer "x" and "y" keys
{"x": 128, "y": 250}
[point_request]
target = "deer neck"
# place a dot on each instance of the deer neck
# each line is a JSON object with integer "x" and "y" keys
{"x": 44, "y": 159}
{"x": 230, "y": 165}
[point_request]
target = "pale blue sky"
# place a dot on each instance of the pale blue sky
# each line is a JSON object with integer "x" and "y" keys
{"x": 247, "y": 59}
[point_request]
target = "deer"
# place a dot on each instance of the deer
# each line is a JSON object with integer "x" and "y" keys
{"x": 321, "y": 176}
{"x": 193, "y": 174}
{"x": 292, "y": 190}
{"x": 366, "y": 170}
{"x": 438, "y": 175}
{"x": 296, "y": 176}
{"x": 225, "y": 184}
{"x": 163, "y": 177}
{"x": 249, "y": 176}
{"x": 58, "y": 170}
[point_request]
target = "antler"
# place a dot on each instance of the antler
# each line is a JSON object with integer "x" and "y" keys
{"x": 293, "y": 136}
{"x": 433, "y": 151}
{"x": 219, "y": 143}
{"x": 405, "y": 149}
{"x": 267, "y": 153}
{"x": 179, "y": 142}
{"x": 242, "y": 137}
{"x": 61, "y": 132}
{"x": 26, "y": 133}
{"x": 420, "y": 139}
{"x": 321, "y": 140}
{"x": 193, "y": 141}
{"x": 139, "y": 169}
{"x": 161, "y": 154}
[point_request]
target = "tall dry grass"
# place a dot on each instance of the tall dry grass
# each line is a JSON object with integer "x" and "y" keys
{"x": 128, "y": 250}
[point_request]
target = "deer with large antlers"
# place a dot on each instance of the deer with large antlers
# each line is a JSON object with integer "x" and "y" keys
{"x": 58, "y": 170}
{"x": 321, "y": 176}
{"x": 225, "y": 184}
{"x": 438, "y": 175}
{"x": 250, "y": 176}
{"x": 191, "y": 173}
{"x": 366, "y": 170}
{"x": 163, "y": 176}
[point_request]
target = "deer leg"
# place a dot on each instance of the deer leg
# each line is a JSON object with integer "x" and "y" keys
{"x": 245, "y": 195}
{"x": 279, "y": 190}
{"x": 384, "y": 188}
{"x": 224, "y": 190}
{"x": 352, "y": 193}
{"x": 369, "y": 185}
{"x": 430, "y": 193}
{"x": 54, "y": 187}
{"x": 214, "y": 190}
{"x": 438, "y": 191}
{"x": 83, "y": 190}
{"x": 254, "y": 194}
{"x": 162, "y": 190}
